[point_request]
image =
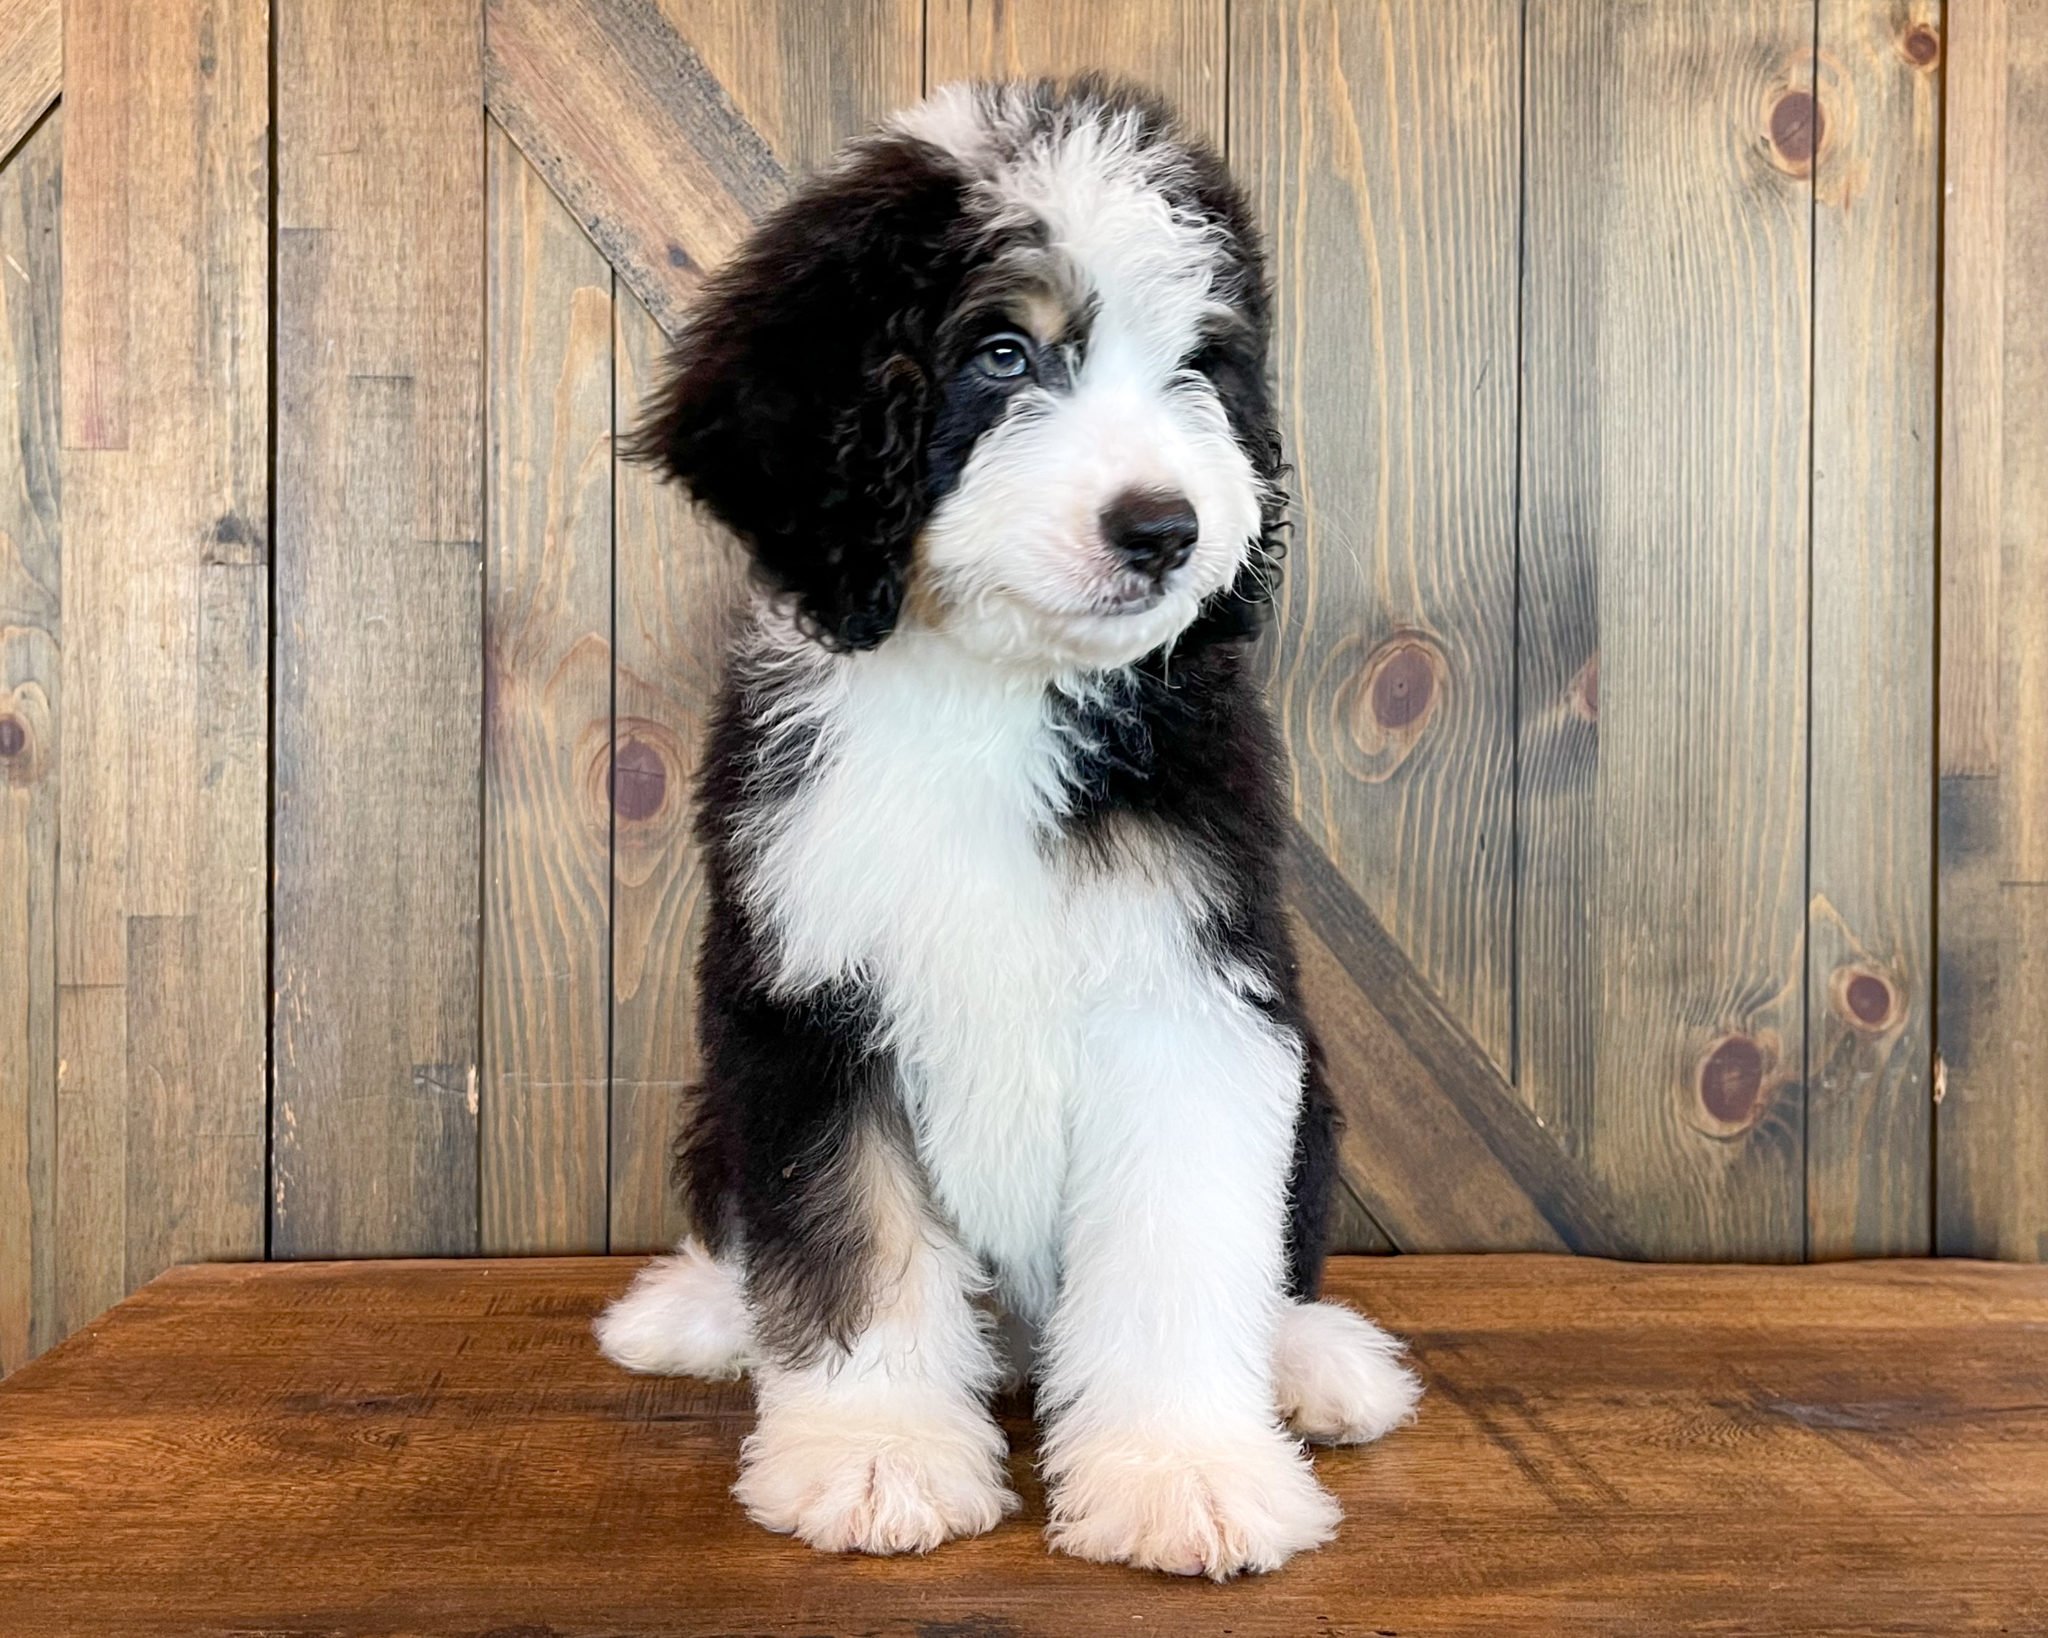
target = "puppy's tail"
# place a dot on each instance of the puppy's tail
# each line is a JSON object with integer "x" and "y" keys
{"x": 684, "y": 1315}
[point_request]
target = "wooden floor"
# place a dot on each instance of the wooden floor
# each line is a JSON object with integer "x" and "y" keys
{"x": 359, "y": 1448}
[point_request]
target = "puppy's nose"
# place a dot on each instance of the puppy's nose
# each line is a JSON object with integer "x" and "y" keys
{"x": 1151, "y": 529}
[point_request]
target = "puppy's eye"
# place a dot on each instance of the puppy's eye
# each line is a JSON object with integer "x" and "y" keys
{"x": 1006, "y": 357}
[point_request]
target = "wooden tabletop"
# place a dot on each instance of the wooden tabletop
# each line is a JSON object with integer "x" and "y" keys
{"x": 415, "y": 1448}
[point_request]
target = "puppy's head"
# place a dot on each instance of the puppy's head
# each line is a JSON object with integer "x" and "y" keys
{"x": 1001, "y": 373}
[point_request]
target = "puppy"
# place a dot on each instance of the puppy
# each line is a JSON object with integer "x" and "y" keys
{"x": 998, "y": 1003}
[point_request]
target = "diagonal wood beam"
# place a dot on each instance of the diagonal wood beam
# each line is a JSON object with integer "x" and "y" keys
{"x": 1437, "y": 1147}
{"x": 635, "y": 135}
{"x": 31, "y": 66}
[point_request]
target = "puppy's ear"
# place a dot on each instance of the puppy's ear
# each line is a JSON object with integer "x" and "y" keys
{"x": 801, "y": 395}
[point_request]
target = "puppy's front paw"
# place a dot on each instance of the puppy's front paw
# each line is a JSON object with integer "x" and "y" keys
{"x": 874, "y": 1486}
{"x": 1337, "y": 1377}
{"x": 1188, "y": 1506}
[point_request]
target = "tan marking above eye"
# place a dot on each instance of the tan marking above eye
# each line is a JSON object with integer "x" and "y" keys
{"x": 1044, "y": 315}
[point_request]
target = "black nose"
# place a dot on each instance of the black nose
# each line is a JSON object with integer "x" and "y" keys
{"x": 1151, "y": 530}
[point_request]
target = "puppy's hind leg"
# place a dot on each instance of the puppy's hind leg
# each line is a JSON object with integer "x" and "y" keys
{"x": 876, "y": 1437}
{"x": 1337, "y": 1377}
{"x": 684, "y": 1315}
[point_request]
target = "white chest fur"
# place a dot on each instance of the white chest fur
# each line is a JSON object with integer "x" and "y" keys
{"x": 922, "y": 857}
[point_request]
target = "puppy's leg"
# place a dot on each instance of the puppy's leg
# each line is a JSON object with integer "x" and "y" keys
{"x": 1164, "y": 1448}
{"x": 684, "y": 1315}
{"x": 879, "y": 1441}
{"x": 1337, "y": 1377}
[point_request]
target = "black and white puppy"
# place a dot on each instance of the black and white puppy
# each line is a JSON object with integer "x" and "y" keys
{"x": 998, "y": 1004}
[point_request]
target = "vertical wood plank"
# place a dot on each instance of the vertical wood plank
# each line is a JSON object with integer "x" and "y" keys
{"x": 30, "y": 636}
{"x": 1379, "y": 143}
{"x": 378, "y": 821}
{"x": 806, "y": 78}
{"x": 1877, "y": 260}
{"x": 1991, "y": 1186}
{"x": 1664, "y": 516}
{"x": 547, "y": 716}
{"x": 165, "y": 382}
{"x": 1177, "y": 47}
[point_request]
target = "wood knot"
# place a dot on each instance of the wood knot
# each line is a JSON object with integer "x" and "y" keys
{"x": 677, "y": 255}
{"x": 1865, "y": 999}
{"x": 1798, "y": 128}
{"x": 24, "y": 736}
{"x": 1585, "y": 690}
{"x": 1920, "y": 46}
{"x": 1388, "y": 702}
{"x": 1731, "y": 1081}
{"x": 639, "y": 779}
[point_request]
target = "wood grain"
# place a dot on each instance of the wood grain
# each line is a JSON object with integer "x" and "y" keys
{"x": 1991, "y": 1188}
{"x": 380, "y": 371}
{"x": 161, "y": 893}
{"x": 547, "y": 723}
{"x": 1666, "y": 306}
{"x": 1603, "y": 1449}
{"x": 1177, "y": 47}
{"x": 805, "y": 82}
{"x": 1378, "y": 142}
{"x": 31, "y": 65}
{"x": 31, "y": 632}
{"x": 1436, "y": 1147}
{"x": 614, "y": 105}
{"x": 1877, "y": 263}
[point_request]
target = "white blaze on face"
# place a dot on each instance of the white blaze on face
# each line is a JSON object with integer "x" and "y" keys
{"x": 1013, "y": 559}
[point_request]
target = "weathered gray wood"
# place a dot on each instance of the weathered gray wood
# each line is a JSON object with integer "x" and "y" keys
{"x": 547, "y": 723}
{"x": 379, "y": 514}
{"x": 1870, "y": 930}
{"x": 31, "y": 630}
{"x": 1436, "y": 1146}
{"x": 1992, "y": 1181}
{"x": 31, "y": 65}
{"x": 161, "y": 893}
{"x": 1379, "y": 146}
{"x": 1666, "y": 303}
{"x": 616, "y": 106}
{"x": 1179, "y": 48}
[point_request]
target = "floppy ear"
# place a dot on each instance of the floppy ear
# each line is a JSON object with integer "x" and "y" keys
{"x": 1234, "y": 359}
{"x": 801, "y": 392}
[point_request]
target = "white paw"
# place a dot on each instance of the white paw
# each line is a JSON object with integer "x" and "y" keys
{"x": 869, "y": 1485}
{"x": 1337, "y": 1377}
{"x": 1188, "y": 1506}
{"x": 684, "y": 1315}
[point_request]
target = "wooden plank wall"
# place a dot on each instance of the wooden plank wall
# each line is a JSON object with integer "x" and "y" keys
{"x": 346, "y": 891}
{"x": 1991, "y": 1187}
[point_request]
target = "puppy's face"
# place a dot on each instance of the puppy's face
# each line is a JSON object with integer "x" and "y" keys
{"x": 1001, "y": 374}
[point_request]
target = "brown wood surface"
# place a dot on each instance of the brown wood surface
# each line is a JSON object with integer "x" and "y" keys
{"x": 617, "y": 108}
{"x": 380, "y": 256}
{"x": 1662, "y": 657}
{"x": 547, "y": 723}
{"x": 1992, "y": 1183}
{"x": 31, "y": 629}
{"x": 1378, "y": 143}
{"x": 161, "y": 894}
{"x": 31, "y": 65}
{"x": 803, "y": 87}
{"x": 1870, "y": 960}
{"x": 1603, "y": 1448}
{"x": 1437, "y": 1149}
{"x": 1178, "y": 47}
